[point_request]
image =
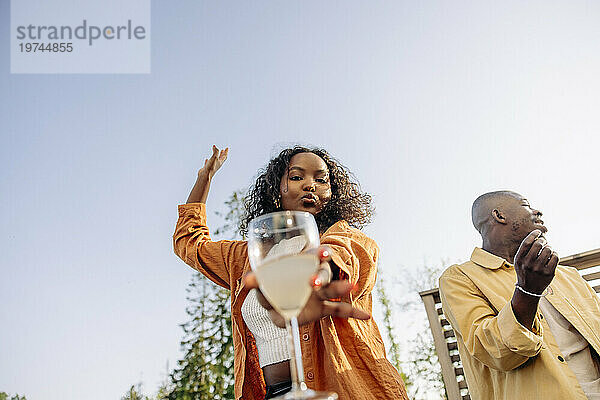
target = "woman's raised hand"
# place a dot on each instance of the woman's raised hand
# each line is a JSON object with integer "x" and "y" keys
{"x": 199, "y": 192}
{"x": 212, "y": 164}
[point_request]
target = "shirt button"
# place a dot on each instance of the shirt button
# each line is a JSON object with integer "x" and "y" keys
{"x": 561, "y": 359}
{"x": 310, "y": 375}
{"x": 305, "y": 337}
{"x": 541, "y": 316}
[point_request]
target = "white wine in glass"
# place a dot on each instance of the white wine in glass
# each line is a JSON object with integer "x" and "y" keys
{"x": 279, "y": 249}
{"x": 279, "y": 280}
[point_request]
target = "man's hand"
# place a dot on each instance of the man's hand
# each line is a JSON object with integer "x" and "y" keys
{"x": 318, "y": 304}
{"x": 535, "y": 263}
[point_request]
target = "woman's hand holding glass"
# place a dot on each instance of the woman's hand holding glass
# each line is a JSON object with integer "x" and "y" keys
{"x": 318, "y": 305}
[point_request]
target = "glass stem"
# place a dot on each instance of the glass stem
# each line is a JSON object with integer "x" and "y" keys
{"x": 296, "y": 369}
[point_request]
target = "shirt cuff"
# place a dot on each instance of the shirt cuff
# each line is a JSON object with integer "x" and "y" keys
{"x": 516, "y": 337}
{"x": 192, "y": 208}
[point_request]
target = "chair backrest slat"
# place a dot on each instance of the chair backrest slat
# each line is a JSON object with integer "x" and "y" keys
{"x": 582, "y": 260}
{"x": 448, "y": 373}
{"x": 592, "y": 276}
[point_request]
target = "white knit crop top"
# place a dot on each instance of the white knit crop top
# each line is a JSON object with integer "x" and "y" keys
{"x": 271, "y": 341}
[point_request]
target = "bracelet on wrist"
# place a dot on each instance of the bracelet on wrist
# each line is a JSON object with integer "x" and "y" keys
{"x": 543, "y": 294}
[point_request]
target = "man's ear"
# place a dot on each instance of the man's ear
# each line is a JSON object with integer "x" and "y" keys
{"x": 498, "y": 216}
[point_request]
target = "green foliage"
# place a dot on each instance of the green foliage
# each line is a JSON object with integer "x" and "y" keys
{"x": 388, "y": 325}
{"x": 422, "y": 371}
{"x": 135, "y": 393}
{"x": 424, "y": 366}
{"x": 163, "y": 390}
{"x": 6, "y": 396}
{"x": 233, "y": 215}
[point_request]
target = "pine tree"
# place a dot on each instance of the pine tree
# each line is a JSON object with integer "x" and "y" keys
{"x": 135, "y": 393}
{"x": 206, "y": 369}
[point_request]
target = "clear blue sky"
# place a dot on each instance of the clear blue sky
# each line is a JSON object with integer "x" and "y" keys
{"x": 428, "y": 103}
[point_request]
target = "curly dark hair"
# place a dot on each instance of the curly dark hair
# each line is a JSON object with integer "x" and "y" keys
{"x": 347, "y": 201}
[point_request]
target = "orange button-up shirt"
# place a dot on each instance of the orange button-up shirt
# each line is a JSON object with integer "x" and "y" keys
{"x": 343, "y": 355}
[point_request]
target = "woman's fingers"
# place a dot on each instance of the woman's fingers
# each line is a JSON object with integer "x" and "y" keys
{"x": 209, "y": 163}
{"x": 214, "y": 155}
{"x": 343, "y": 310}
{"x": 215, "y": 161}
{"x": 319, "y": 306}
{"x": 324, "y": 253}
{"x": 250, "y": 280}
{"x": 323, "y": 276}
{"x": 335, "y": 290}
{"x": 223, "y": 155}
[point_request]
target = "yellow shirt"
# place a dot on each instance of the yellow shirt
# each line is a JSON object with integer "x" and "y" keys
{"x": 501, "y": 358}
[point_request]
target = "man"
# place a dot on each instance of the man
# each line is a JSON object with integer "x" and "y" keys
{"x": 526, "y": 328}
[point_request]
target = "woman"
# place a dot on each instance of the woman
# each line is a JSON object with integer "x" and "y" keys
{"x": 339, "y": 354}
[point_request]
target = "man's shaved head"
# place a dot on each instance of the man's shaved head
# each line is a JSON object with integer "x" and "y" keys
{"x": 484, "y": 205}
{"x": 504, "y": 218}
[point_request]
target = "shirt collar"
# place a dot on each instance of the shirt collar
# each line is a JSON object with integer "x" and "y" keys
{"x": 488, "y": 260}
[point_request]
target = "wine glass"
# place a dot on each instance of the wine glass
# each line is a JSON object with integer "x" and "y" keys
{"x": 277, "y": 249}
